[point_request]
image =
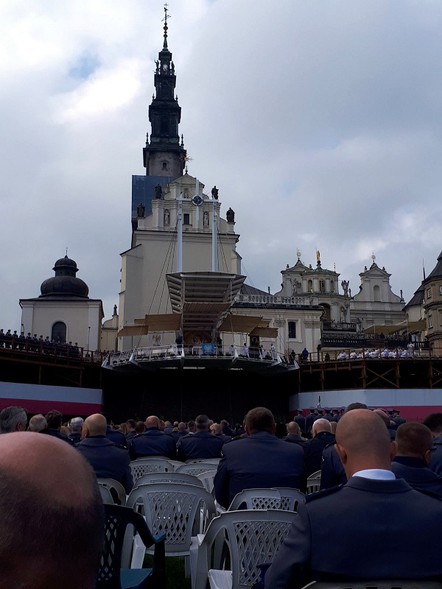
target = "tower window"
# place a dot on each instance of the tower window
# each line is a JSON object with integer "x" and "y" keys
{"x": 165, "y": 166}
{"x": 186, "y": 219}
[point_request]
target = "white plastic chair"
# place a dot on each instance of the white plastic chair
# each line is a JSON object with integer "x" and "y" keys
{"x": 168, "y": 477}
{"x": 115, "y": 488}
{"x": 106, "y": 495}
{"x": 290, "y": 498}
{"x": 251, "y": 537}
{"x": 314, "y": 482}
{"x": 268, "y": 498}
{"x": 141, "y": 466}
{"x": 256, "y": 499}
{"x": 196, "y": 468}
{"x": 207, "y": 478}
{"x": 179, "y": 510}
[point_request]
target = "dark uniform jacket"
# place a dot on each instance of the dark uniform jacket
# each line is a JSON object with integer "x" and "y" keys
{"x": 152, "y": 442}
{"x": 199, "y": 446}
{"x": 313, "y": 451}
{"x": 366, "y": 529}
{"x": 108, "y": 460}
{"x": 417, "y": 474}
{"x": 258, "y": 461}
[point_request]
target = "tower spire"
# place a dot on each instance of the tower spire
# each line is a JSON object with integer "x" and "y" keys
{"x": 166, "y": 16}
{"x": 164, "y": 155}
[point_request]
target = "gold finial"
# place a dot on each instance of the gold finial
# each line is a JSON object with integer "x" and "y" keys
{"x": 373, "y": 257}
{"x": 298, "y": 253}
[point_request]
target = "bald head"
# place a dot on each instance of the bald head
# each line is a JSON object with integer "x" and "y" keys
{"x": 363, "y": 441}
{"x": 40, "y": 507}
{"x": 95, "y": 425}
{"x": 320, "y": 425}
{"x": 153, "y": 421}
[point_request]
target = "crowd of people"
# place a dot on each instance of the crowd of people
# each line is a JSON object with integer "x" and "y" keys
{"x": 378, "y": 513}
{"x": 34, "y": 343}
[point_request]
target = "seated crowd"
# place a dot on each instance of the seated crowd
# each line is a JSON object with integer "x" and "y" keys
{"x": 373, "y": 463}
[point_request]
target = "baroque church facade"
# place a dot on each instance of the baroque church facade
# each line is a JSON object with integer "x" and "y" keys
{"x": 177, "y": 225}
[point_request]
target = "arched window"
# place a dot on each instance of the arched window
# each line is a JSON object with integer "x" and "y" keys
{"x": 376, "y": 293}
{"x": 59, "y": 332}
{"x": 310, "y": 286}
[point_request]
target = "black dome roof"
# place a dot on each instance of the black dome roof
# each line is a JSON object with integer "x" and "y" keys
{"x": 64, "y": 283}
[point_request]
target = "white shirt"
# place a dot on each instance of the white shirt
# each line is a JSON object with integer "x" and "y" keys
{"x": 378, "y": 474}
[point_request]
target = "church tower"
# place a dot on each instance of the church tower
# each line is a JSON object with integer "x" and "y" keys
{"x": 176, "y": 226}
{"x": 164, "y": 156}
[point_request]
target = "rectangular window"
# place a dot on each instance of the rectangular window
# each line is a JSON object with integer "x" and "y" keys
{"x": 186, "y": 219}
{"x": 428, "y": 293}
{"x": 292, "y": 329}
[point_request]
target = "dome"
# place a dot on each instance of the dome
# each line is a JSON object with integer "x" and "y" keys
{"x": 64, "y": 283}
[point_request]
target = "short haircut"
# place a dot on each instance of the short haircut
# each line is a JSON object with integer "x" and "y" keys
{"x": 54, "y": 418}
{"x": 355, "y": 405}
{"x": 202, "y": 421}
{"x": 413, "y": 438}
{"x": 11, "y": 417}
{"x": 259, "y": 419}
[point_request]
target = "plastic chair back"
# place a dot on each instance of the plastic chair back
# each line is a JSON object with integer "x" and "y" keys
{"x": 179, "y": 510}
{"x": 168, "y": 477}
{"x": 141, "y": 466}
{"x": 252, "y": 537}
{"x": 290, "y": 498}
{"x": 207, "y": 478}
{"x": 116, "y": 489}
{"x": 197, "y": 468}
{"x": 111, "y": 575}
{"x": 314, "y": 482}
{"x": 106, "y": 495}
{"x": 256, "y": 499}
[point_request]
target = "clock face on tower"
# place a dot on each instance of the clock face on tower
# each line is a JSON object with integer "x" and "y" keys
{"x": 197, "y": 200}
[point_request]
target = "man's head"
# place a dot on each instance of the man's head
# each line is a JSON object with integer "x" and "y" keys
{"x": 153, "y": 421}
{"x": 54, "y": 419}
{"x": 216, "y": 429}
{"x": 320, "y": 425}
{"x": 202, "y": 423}
{"x": 363, "y": 442}
{"x": 51, "y": 528}
{"x": 293, "y": 428}
{"x": 13, "y": 419}
{"x": 37, "y": 423}
{"x": 259, "y": 419}
{"x": 414, "y": 439}
{"x": 384, "y": 416}
{"x": 434, "y": 423}
{"x": 76, "y": 425}
{"x": 94, "y": 425}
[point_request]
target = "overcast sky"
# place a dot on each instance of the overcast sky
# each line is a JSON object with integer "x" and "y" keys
{"x": 318, "y": 120}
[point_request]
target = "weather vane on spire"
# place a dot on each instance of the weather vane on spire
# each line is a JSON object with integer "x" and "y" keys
{"x": 166, "y": 16}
